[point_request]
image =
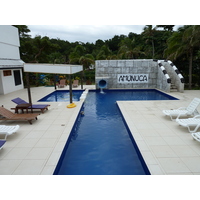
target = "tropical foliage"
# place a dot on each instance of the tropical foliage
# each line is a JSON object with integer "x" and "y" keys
{"x": 182, "y": 47}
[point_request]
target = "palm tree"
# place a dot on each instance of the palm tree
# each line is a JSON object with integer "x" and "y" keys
{"x": 76, "y": 54}
{"x": 184, "y": 41}
{"x": 104, "y": 53}
{"x": 129, "y": 50}
{"x": 192, "y": 39}
{"x": 148, "y": 34}
{"x": 86, "y": 60}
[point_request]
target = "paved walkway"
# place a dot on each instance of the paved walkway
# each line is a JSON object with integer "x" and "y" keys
{"x": 35, "y": 149}
{"x": 166, "y": 147}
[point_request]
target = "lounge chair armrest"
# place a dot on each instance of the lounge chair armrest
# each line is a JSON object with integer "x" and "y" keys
{"x": 182, "y": 108}
{"x": 197, "y": 116}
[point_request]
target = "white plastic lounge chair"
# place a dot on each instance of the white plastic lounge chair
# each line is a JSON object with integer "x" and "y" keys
{"x": 190, "y": 122}
{"x": 196, "y": 136}
{"x": 8, "y": 130}
{"x": 191, "y": 110}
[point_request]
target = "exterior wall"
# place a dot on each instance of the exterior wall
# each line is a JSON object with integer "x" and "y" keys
{"x": 9, "y": 52}
{"x": 9, "y": 35}
{"x": 9, "y": 42}
{"x": 1, "y": 82}
{"x": 8, "y": 82}
{"x": 110, "y": 69}
{"x": 9, "y": 59}
{"x": 162, "y": 83}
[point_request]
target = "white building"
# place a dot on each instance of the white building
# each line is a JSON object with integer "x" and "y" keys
{"x": 10, "y": 63}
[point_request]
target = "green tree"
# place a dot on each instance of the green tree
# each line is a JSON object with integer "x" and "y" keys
{"x": 99, "y": 43}
{"x": 56, "y": 58}
{"x": 42, "y": 47}
{"x": 65, "y": 48}
{"x": 78, "y": 56}
{"x": 148, "y": 35}
{"x": 129, "y": 50}
{"x": 86, "y": 60}
{"x": 74, "y": 56}
{"x": 23, "y": 31}
{"x": 104, "y": 53}
{"x": 113, "y": 43}
{"x": 184, "y": 42}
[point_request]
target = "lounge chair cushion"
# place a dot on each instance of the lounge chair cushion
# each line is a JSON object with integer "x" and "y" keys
{"x": 2, "y": 142}
{"x": 34, "y": 106}
{"x": 19, "y": 101}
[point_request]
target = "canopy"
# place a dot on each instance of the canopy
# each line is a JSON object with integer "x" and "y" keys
{"x": 51, "y": 69}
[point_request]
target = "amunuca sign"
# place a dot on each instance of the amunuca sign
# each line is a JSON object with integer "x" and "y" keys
{"x": 133, "y": 78}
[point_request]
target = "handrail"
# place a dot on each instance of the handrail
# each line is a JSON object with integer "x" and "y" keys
{"x": 163, "y": 70}
{"x": 176, "y": 70}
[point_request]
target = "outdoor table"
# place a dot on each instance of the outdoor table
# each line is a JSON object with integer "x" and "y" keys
{"x": 22, "y": 107}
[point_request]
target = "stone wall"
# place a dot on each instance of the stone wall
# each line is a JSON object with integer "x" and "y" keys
{"x": 162, "y": 83}
{"x": 110, "y": 69}
{"x": 133, "y": 70}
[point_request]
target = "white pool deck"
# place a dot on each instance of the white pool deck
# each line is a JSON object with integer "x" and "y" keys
{"x": 167, "y": 148}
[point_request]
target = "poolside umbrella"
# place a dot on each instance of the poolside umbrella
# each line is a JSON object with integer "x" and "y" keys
{"x": 51, "y": 69}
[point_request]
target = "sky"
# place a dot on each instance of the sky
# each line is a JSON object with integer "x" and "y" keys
{"x": 86, "y": 21}
{"x": 83, "y": 33}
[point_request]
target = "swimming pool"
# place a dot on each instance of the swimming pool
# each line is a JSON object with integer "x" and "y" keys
{"x": 62, "y": 96}
{"x": 100, "y": 142}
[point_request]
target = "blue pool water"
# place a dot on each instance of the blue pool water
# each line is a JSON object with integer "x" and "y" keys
{"x": 62, "y": 96}
{"x": 100, "y": 142}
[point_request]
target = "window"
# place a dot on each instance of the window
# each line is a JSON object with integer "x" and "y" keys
{"x": 17, "y": 77}
{"x": 7, "y": 73}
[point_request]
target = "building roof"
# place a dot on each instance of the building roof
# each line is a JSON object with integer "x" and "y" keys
{"x": 10, "y": 63}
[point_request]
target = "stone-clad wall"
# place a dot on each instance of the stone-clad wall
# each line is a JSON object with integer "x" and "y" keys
{"x": 162, "y": 83}
{"x": 110, "y": 69}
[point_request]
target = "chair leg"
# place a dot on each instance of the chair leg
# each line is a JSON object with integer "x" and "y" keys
{"x": 30, "y": 121}
{"x": 173, "y": 119}
{"x": 195, "y": 129}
